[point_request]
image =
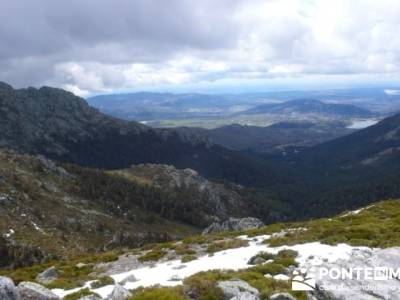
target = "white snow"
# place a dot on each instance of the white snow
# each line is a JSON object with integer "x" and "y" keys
{"x": 356, "y": 212}
{"x": 360, "y": 124}
{"x": 10, "y": 233}
{"x": 169, "y": 274}
{"x": 37, "y": 227}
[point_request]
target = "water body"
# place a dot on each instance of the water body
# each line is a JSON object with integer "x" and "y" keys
{"x": 360, "y": 124}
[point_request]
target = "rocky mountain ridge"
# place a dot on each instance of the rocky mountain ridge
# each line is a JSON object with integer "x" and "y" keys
{"x": 62, "y": 126}
{"x": 59, "y": 210}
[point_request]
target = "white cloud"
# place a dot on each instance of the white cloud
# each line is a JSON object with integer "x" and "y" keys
{"x": 96, "y": 47}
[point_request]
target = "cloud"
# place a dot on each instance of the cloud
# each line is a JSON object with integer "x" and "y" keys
{"x": 97, "y": 46}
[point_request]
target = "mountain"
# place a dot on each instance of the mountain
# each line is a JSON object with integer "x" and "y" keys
{"x": 61, "y": 126}
{"x": 57, "y": 210}
{"x": 145, "y": 106}
{"x": 310, "y": 106}
{"x": 279, "y": 138}
{"x": 347, "y": 172}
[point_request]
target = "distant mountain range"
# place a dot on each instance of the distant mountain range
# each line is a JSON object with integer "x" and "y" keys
{"x": 310, "y": 106}
{"x": 259, "y": 109}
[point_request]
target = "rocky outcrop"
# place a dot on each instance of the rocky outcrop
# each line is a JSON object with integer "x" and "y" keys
{"x": 233, "y": 224}
{"x": 48, "y": 275}
{"x": 90, "y": 297}
{"x": 62, "y": 126}
{"x": 282, "y": 296}
{"x": 202, "y": 202}
{"x": 34, "y": 291}
{"x": 119, "y": 293}
{"x": 8, "y": 291}
{"x": 238, "y": 290}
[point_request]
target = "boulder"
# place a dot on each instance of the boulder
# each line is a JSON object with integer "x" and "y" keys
{"x": 130, "y": 278}
{"x": 48, "y": 275}
{"x": 34, "y": 291}
{"x": 238, "y": 289}
{"x": 119, "y": 293}
{"x": 234, "y": 224}
{"x": 282, "y": 296}
{"x": 245, "y": 296}
{"x": 8, "y": 291}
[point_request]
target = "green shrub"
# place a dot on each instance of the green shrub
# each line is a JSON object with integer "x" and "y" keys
{"x": 287, "y": 253}
{"x": 102, "y": 281}
{"x": 162, "y": 293}
{"x": 224, "y": 245}
{"x": 152, "y": 255}
{"x": 187, "y": 258}
{"x": 79, "y": 294}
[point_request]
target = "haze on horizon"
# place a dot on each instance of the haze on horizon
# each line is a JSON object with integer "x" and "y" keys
{"x": 101, "y": 46}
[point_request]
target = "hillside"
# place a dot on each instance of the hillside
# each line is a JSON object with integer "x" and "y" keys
{"x": 262, "y": 262}
{"x": 53, "y": 210}
{"x": 310, "y": 106}
{"x": 279, "y": 138}
{"x": 61, "y": 126}
{"x": 347, "y": 172}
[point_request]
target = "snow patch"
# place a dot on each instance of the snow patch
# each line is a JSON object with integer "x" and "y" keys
{"x": 37, "y": 227}
{"x": 171, "y": 273}
{"x": 356, "y": 212}
{"x": 9, "y": 234}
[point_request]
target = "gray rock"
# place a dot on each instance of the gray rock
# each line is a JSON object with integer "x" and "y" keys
{"x": 256, "y": 261}
{"x": 245, "y": 296}
{"x": 130, "y": 278}
{"x": 119, "y": 293}
{"x": 81, "y": 265}
{"x": 234, "y": 224}
{"x": 91, "y": 297}
{"x": 34, "y": 291}
{"x": 238, "y": 289}
{"x": 48, "y": 275}
{"x": 282, "y": 296}
{"x": 8, "y": 291}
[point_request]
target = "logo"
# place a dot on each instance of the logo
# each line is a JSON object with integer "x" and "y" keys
{"x": 329, "y": 279}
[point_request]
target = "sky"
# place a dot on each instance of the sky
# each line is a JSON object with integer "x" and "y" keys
{"x": 109, "y": 46}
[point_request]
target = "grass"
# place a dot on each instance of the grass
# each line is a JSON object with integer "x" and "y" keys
{"x": 102, "y": 281}
{"x": 187, "y": 258}
{"x": 227, "y": 244}
{"x": 79, "y": 294}
{"x": 204, "y": 284}
{"x": 162, "y": 293}
{"x": 153, "y": 255}
{"x": 70, "y": 276}
{"x": 376, "y": 226}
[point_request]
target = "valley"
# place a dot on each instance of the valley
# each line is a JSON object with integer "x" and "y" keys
{"x": 122, "y": 199}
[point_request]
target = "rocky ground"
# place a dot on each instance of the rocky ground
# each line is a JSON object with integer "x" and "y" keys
{"x": 260, "y": 263}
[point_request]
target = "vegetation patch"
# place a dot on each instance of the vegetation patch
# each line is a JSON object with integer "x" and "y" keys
{"x": 376, "y": 226}
{"x": 203, "y": 285}
{"x": 79, "y": 294}
{"x": 102, "y": 281}
{"x": 226, "y": 244}
{"x": 153, "y": 255}
{"x": 187, "y": 258}
{"x": 162, "y": 293}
